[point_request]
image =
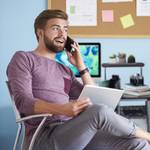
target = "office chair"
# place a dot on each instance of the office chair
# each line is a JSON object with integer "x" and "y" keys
{"x": 20, "y": 122}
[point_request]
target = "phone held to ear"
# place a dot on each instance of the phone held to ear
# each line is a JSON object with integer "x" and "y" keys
{"x": 68, "y": 44}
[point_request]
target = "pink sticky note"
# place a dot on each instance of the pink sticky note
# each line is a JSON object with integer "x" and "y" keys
{"x": 107, "y": 15}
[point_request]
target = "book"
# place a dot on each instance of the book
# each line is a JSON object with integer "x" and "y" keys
{"x": 137, "y": 93}
{"x": 141, "y": 88}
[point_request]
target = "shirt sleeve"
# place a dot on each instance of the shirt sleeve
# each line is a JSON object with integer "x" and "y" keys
{"x": 76, "y": 88}
{"x": 20, "y": 79}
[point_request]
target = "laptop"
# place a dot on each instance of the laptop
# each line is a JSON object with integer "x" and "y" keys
{"x": 102, "y": 95}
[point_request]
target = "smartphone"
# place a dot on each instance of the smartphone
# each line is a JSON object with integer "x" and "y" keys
{"x": 68, "y": 44}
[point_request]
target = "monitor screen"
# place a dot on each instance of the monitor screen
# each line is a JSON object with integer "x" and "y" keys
{"x": 91, "y": 53}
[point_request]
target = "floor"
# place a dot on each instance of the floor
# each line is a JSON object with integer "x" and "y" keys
{"x": 135, "y": 110}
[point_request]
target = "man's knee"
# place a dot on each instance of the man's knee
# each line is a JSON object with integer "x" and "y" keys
{"x": 99, "y": 112}
{"x": 98, "y": 109}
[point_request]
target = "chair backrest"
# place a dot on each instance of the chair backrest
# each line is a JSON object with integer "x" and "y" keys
{"x": 20, "y": 122}
{"x": 17, "y": 114}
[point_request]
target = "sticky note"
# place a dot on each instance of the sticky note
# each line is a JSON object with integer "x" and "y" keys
{"x": 127, "y": 21}
{"x": 107, "y": 15}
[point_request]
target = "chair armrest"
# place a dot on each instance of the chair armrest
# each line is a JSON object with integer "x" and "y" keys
{"x": 33, "y": 116}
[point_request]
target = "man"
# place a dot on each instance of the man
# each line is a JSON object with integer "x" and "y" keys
{"x": 41, "y": 85}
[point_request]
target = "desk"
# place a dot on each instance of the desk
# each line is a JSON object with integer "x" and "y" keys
{"x": 147, "y": 104}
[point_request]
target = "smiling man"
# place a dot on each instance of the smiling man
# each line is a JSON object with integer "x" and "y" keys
{"x": 42, "y": 85}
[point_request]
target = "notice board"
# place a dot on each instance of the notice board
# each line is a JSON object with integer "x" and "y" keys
{"x": 141, "y": 27}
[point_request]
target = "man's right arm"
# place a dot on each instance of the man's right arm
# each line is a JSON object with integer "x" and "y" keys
{"x": 20, "y": 78}
{"x": 70, "y": 109}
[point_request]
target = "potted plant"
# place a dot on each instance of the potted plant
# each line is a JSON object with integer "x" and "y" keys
{"x": 131, "y": 59}
{"x": 122, "y": 57}
{"x": 113, "y": 58}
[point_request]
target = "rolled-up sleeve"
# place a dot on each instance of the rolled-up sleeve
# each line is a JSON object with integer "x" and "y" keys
{"x": 19, "y": 74}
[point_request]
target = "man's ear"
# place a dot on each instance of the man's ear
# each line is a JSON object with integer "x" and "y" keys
{"x": 40, "y": 33}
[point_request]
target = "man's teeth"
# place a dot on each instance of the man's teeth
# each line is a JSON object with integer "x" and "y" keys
{"x": 60, "y": 43}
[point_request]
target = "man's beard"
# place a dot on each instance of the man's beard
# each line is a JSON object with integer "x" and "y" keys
{"x": 51, "y": 46}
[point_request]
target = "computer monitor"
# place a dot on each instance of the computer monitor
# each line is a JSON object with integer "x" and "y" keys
{"x": 91, "y": 53}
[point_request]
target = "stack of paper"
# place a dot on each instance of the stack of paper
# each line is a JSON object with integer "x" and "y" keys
{"x": 140, "y": 88}
{"x": 132, "y": 93}
{"x": 143, "y": 90}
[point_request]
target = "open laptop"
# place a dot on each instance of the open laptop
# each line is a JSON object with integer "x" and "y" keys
{"x": 102, "y": 95}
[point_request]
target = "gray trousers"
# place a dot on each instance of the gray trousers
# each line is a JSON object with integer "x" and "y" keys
{"x": 97, "y": 128}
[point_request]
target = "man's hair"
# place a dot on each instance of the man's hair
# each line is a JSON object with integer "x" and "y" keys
{"x": 45, "y": 15}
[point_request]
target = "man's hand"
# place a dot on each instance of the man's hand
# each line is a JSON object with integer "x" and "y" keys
{"x": 75, "y": 57}
{"x": 73, "y": 108}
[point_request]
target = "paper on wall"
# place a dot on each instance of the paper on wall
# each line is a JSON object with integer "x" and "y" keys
{"x": 143, "y": 7}
{"x": 81, "y": 12}
{"x": 116, "y": 1}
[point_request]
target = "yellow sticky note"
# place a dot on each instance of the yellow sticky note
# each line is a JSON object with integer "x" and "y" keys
{"x": 127, "y": 21}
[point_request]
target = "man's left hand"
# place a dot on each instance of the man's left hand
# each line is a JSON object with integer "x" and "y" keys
{"x": 75, "y": 57}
